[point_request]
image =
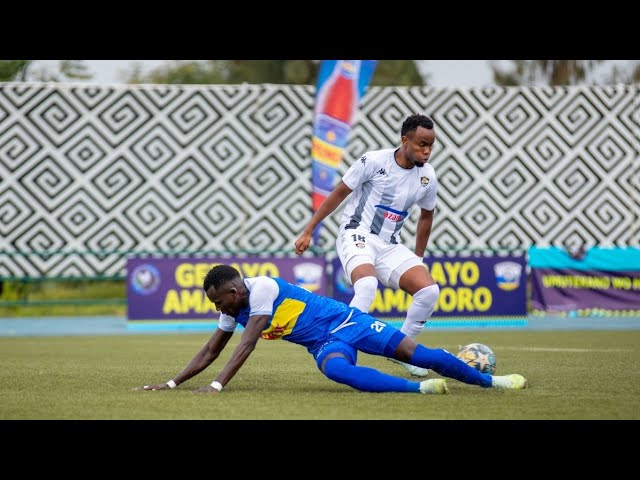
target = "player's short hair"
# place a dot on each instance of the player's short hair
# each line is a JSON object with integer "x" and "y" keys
{"x": 219, "y": 275}
{"x": 412, "y": 122}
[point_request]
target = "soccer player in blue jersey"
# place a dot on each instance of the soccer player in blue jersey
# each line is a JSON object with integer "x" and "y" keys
{"x": 333, "y": 332}
{"x": 383, "y": 186}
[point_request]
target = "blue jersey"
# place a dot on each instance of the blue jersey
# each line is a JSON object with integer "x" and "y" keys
{"x": 311, "y": 320}
{"x": 299, "y": 315}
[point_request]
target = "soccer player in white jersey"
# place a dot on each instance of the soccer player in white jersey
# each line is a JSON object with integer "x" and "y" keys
{"x": 385, "y": 185}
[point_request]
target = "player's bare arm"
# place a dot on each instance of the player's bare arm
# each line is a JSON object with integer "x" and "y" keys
{"x": 255, "y": 325}
{"x": 333, "y": 200}
{"x": 198, "y": 363}
{"x": 423, "y": 231}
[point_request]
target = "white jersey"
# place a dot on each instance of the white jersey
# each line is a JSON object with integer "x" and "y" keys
{"x": 384, "y": 192}
{"x": 261, "y": 300}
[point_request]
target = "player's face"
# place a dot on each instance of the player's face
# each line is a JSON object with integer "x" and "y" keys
{"x": 226, "y": 299}
{"x": 419, "y": 145}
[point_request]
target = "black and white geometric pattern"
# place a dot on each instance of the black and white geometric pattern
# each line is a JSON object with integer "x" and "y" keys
{"x": 92, "y": 174}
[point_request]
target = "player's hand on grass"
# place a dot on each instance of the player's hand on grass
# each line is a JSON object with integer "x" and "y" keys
{"x": 206, "y": 389}
{"x": 161, "y": 386}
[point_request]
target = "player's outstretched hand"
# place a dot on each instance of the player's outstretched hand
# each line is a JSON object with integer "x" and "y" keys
{"x": 162, "y": 386}
{"x": 206, "y": 389}
{"x": 302, "y": 243}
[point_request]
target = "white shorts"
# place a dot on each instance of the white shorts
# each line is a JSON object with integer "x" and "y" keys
{"x": 356, "y": 247}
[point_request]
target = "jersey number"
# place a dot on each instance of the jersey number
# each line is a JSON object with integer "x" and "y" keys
{"x": 378, "y": 326}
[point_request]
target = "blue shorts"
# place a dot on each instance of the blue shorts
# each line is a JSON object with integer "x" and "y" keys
{"x": 359, "y": 332}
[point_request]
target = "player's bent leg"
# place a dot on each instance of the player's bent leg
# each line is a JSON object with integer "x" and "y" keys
{"x": 339, "y": 369}
{"x": 414, "y": 278}
{"x": 448, "y": 365}
{"x": 420, "y": 310}
{"x": 440, "y": 361}
{"x": 337, "y": 361}
{"x": 364, "y": 293}
{"x": 424, "y": 302}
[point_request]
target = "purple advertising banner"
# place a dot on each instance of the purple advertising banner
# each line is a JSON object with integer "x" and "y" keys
{"x": 565, "y": 290}
{"x": 469, "y": 287}
{"x": 171, "y": 288}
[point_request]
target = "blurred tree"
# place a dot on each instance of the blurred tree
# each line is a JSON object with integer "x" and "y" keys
{"x": 74, "y": 69}
{"x": 66, "y": 70}
{"x": 627, "y": 76}
{"x": 559, "y": 73}
{"x": 292, "y": 72}
{"x": 187, "y": 72}
{"x": 635, "y": 75}
{"x": 181, "y": 72}
{"x": 14, "y": 70}
{"x": 391, "y": 73}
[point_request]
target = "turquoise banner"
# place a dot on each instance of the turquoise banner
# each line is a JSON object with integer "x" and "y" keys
{"x": 585, "y": 282}
{"x": 596, "y": 258}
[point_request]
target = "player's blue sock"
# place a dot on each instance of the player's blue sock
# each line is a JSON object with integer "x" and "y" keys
{"x": 367, "y": 379}
{"x": 448, "y": 365}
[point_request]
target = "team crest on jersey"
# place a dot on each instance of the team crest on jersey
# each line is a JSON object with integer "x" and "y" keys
{"x": 424, "y": 181}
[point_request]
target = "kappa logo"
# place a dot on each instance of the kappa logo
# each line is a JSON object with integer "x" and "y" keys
{"x": 345, "y": 323}
{"x": 424, "y": 181}
{"x": 381, "y": 171}
{"x": 363, "y": 159}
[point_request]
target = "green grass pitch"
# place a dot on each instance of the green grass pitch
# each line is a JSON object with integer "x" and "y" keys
{"x": 580, "y": 375}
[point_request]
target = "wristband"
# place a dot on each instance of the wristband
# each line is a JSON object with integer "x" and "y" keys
{"x": 172, "y": 384}
{"x": 217, "y": 386}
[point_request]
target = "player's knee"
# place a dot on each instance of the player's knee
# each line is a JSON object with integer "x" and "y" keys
{"x": 364, "y": 293}
{"x": 335, "y": 368}
{"x": 428, "y": 296}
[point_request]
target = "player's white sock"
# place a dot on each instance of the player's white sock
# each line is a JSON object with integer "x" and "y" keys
{"x": 364, "y": 293}
{"x": 420, "y": 310}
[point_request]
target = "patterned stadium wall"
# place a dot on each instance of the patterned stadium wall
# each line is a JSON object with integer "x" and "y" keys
{"x": 90, "y": 173}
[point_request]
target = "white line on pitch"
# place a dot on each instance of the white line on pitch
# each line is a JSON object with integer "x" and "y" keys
{"x": 551, "y": 349}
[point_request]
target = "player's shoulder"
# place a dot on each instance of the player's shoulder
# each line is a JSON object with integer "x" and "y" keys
{"x": 428, "y": 170}
{"x": 260, "y": 282}
{"x": 377, "y": 156}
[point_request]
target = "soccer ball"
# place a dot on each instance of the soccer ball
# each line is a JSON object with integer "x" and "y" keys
{"x": 478, "y": 356}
